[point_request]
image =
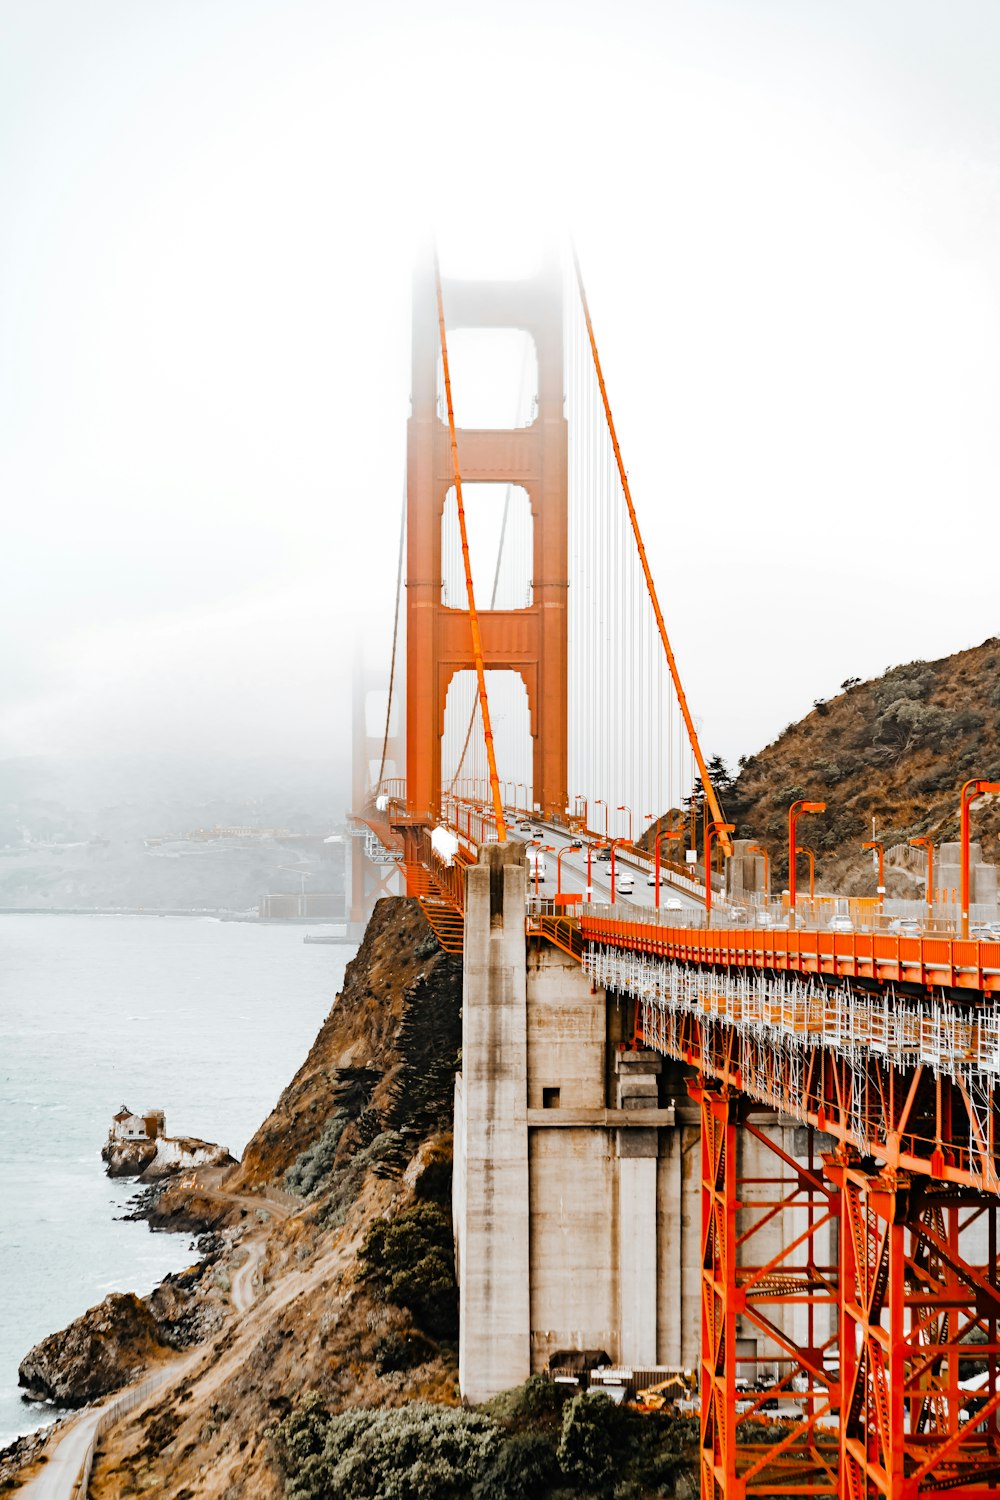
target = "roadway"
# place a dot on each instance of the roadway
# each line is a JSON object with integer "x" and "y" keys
{"x": 574, "y": 870}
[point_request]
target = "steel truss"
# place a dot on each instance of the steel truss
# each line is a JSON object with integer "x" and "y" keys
{"x": 891, "y": 1240}
{"x": 914, "y": 1083}
{"x": 919, "y": 1299}
{"x": 768, "y": 1234}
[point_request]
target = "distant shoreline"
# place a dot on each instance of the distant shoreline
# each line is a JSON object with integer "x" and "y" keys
{"x": 165, "y": 911}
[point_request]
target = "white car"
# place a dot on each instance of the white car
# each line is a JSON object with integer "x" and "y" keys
{"x": 673, "y": 904}
{"x": 623, "y": 885}
{"x": 651, "y": 878}
{"x": 840, "y": 923}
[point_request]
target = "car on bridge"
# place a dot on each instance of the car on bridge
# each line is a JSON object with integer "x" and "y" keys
{"x": 840, "y": 923}
{"x": 673, "y": 904}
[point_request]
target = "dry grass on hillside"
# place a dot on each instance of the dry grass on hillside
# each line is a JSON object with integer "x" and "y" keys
{"x": 897, "y": 749}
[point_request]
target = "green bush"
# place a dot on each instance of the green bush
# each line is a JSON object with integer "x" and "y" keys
{"x": 411, "y": 1260}
{"x": 309, "y": 1170}
{"x": 417, "y": 1452}
{"x": 594, "y": 1440}
{"x": 401, "y": 1351}
{"x": 522, "y": 1468}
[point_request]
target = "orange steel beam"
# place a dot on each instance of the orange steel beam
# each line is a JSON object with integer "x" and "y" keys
{"x": 711, "y": 798}
{"x": 773, "y": 1268}
{"x": 477, "y": 640}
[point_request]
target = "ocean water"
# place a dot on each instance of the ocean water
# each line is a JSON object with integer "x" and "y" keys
{"x": 206, "y": 1020}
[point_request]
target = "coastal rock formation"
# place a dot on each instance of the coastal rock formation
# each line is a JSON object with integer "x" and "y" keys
{"x": 138, "y": 1146}
{"x": 99, "y": 1352}
{"x": 180, "y": 1154}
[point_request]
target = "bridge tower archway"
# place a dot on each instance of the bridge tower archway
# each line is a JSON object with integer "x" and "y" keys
{"x": 531, "y": 641}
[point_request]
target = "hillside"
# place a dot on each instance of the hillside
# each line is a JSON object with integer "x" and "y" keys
{"x": 896, "y": 749}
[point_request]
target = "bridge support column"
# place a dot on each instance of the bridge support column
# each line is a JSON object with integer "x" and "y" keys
{"x": 769, "y": 1297}
{"x": 638, "y": 1151}
{"x": 491, "y": 1131}
{"x": 920, "y": 1307}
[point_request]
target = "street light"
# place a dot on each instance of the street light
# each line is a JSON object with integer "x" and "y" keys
{"x": 600, "y": 802}
{"x": 666, "y": 833}
{"x": 759, "y": 849}
{"x": 559, "y": 860}
{"x": 926, "y": 844}
{"x": 874, "y": 844}
{"x": 794, "y": 813}
{"x": 579, "y": 797}
{"x": 805, "y": 849}
{"x": 970, "y": 791}
{"x": 710, "y": 830}
{"x": 622, "y": 807}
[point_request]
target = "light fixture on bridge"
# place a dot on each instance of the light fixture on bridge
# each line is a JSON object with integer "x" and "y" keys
{"x": 794, "y": 813}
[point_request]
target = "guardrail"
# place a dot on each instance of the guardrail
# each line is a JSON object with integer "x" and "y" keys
{"x": 116, "y": 1408}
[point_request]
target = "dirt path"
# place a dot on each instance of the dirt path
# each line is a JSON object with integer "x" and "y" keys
{"x": 242, "y": 1291}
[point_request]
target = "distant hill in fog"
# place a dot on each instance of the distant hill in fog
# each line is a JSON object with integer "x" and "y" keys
{"x": 73, "y": 832}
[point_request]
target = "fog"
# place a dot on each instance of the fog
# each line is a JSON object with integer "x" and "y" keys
{"x": 789, "y": 220}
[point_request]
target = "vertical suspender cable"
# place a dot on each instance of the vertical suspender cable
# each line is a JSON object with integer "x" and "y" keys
{"x": 713, "y": 801}
{"x": 395, "y": 637}
{"x": 477, "y": 640}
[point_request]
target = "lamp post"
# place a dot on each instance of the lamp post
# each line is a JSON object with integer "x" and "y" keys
{"x": 590, "y": 888}
{"x": 794, "y": 813}
{"x": 759, "y": 849}
{"x": 667, "y": 833}
{"x": 622, "y": 807}
{"x": 614, "y": 845}
{"x": 586, "y": 808}
{"x": 600, "y": 802}
{"x": 970, "y": 791}
{"x": 875, "y": 844}
{"x": 805, "y": 849}
{"x": 559, "y": 860}
{"x": 926, "y": 844}
{"x": 711, "y": 830}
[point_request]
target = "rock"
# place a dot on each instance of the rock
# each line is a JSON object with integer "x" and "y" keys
{"x": 181, "y": 1153}
{"x": 128, "y": 1158}
{"x": 107, "y": 1347}
{"x": 154, "y": 1160}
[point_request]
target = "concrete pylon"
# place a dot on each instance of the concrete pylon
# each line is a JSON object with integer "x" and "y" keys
{"x": 491, "y": 1197}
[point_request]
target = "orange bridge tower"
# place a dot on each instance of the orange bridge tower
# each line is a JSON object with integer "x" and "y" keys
{"x": 530, "y": 641}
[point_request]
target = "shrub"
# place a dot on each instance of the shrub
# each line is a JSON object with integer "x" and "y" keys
{"x": 410, "y": 1259}
{"x": 308, "y": 1171}
{"x": 594, "y": 1436}
{"x": 522, "y": 1468}
{"x": 401, "y": 1351}
{"x": 416, "y": 1452}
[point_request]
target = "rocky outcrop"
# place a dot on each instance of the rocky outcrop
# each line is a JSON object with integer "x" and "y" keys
{"x": 181, "y": 1153}
{"x": 127, "y": 1158}
{"x": 104, "y": 1349}
{"x": 154, "y": 1160}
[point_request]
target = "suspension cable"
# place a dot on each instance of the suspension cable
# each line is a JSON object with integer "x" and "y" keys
{"x": 713, "y": 801}
{"x": 395, "y": 637}
{"x": 477, "y": 640}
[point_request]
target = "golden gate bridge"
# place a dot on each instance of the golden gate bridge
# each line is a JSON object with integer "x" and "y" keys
{"x": 543, "y": 703}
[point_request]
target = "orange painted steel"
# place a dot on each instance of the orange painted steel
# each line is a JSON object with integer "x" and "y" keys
{"x": 914, "y": 1307}
{"x": 935, "y": 962}
{"x": 766, "y": 1261}
{"x": 970, "y": 791}
{"x": 477, "y": 639}
{"x": 706, "y": 781}
{"x": 533, "y": 641}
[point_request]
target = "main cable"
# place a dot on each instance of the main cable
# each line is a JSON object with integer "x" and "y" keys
{"x": 477, "y": 640}
{"x": 706, "y": 782}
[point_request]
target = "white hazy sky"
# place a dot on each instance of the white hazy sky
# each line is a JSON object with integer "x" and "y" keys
{"x": 788, "y": 214}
